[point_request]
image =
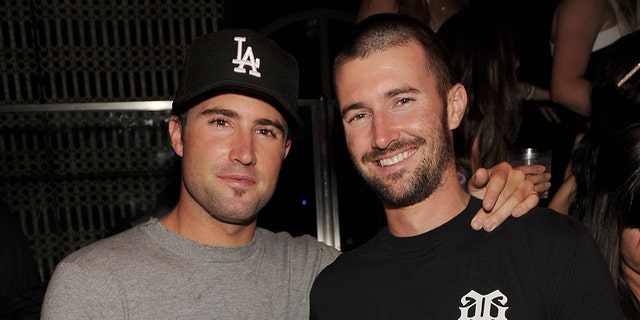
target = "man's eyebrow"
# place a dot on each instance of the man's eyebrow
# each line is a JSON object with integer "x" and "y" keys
{"x": 389, "y": 94}
{"x": 274, "y": 123}
{"x": 221, "y": 111}
{"x": 233, "y": 114}
{"x": 398, "y": 91}
{"x": 350, "y": 107}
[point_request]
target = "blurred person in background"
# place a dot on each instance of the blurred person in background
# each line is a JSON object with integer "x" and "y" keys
{"x": 613, "y": 107}
{"x": 482, "y": 51}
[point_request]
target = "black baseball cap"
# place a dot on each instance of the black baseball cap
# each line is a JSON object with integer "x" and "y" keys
{"x": 239, "y": 61}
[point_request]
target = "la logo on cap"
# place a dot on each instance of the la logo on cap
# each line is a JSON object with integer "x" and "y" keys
{"x": 246, "y": 59}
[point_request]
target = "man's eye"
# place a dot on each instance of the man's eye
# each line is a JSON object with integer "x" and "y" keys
{"x": 219, "y": 122}
{"x": 268, "y": 132}
{"x": 357, "y": 116}
{"x": 403, "y": 101}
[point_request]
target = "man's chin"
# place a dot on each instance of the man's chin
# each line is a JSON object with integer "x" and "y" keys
{"x": 237, "y": 220}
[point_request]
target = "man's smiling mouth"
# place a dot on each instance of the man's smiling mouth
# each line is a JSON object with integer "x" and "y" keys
{"x": 395, "y": 159}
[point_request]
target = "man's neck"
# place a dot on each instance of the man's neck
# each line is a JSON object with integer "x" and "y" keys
{"x": 441, "y": 206}
{"x": 197, "y": 225}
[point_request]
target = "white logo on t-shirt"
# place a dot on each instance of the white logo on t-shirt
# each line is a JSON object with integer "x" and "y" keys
{"x": 246, "y": 59}
{"x": 483, "y": 307}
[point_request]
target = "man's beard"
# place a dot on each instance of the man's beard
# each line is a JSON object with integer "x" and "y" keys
{"x": 424, "y": 181}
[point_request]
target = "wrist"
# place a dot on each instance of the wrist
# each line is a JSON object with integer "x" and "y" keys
{"x": 531, "y": 92}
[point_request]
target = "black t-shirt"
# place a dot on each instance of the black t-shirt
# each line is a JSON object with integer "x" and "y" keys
{"x": 543, "y": 265}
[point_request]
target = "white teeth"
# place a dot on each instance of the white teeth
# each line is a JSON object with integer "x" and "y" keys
{"x": 395, "y": 159}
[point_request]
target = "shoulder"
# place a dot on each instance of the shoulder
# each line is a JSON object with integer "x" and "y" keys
{"x": 93, "y": 276}
{"x": 299, "y": 245}
{"x": 305, "y": 255}
{"x": 581, "y": 5}
{"x": 94, "y": 263}
{"x": 108, "y": 247}
{"x": 546, "y": 227}
{"x": 552, "y": 218}
{"x": 580, "y": 10}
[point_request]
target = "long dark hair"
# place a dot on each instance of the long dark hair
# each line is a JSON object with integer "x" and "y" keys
{"x": 484, "y": 57}
{"x": 616, "y": 205}
{"x": 613, "y": 108}
{"x": 606, "y": 162}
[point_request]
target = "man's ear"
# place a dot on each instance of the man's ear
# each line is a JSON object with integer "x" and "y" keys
{"x": 456, "y": 105}
{"x": 287, "y": 146}
{"x": 175, "y": 132}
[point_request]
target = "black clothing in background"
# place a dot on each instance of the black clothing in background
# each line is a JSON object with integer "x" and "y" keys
{"x": 21, "y": 289}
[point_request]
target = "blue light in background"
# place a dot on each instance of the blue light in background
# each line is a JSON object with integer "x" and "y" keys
{"x": 304, "y": 202}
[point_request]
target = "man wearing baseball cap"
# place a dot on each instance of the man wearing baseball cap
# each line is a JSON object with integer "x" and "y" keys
{"x": 231, "y": 121}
